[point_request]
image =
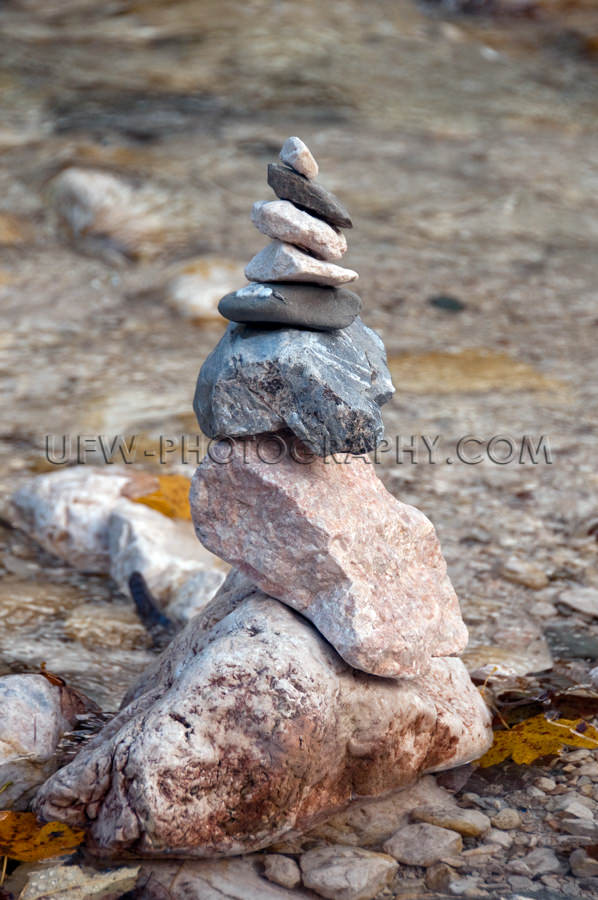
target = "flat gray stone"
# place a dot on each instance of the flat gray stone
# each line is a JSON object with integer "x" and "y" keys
{"x": 308, "y": 195}
{"x": 300, "y": 305}
{"x": 327, "y": 387}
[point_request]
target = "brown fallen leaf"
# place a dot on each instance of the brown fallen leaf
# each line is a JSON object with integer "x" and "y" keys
{"x": 538, "y": 737}
{"x": 22, "y": 837}
{"x": 171, "y": 498}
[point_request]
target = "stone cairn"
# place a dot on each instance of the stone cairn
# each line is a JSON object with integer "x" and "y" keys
{"x": 326, "y": 667}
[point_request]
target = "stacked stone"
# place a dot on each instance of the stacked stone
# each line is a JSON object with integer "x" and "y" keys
{"x": 258, "y": 721}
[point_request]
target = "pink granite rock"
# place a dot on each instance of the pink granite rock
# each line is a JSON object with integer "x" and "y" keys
{"x": 249, "y": 726}
{"x": 328, "y": 539}
{"x": 284, "y": 262}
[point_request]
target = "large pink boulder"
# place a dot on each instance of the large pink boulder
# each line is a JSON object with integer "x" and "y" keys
{"x": 328, "y": 539}
{"x": 251, "y": 726}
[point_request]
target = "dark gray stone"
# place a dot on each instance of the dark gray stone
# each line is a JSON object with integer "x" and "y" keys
{"x": 326, "y": 386}
{"x": 308, "y": 195}
{"x": 302, "y": 305}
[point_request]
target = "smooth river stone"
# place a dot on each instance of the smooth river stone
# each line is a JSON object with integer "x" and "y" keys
{"x": 308, "y": 195}
{"x": 328, "y": 539}
{"x": 299, "y": 157}
{"x": 249, "y": 726}
{"x": 301, "y": 305}
{"x": 327, "y": 387}
{"x": 282, "y": 220}
{"x": 283, "y": 262}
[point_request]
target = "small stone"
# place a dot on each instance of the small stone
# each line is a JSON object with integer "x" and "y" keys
{"x": 314, "y": 198}
{"x": 327, "y": 387}
{"x": 438, "y": 877}
{"x": 423, "y": 845}
{"x": 282, "y": 870}
{"x": 468, "y": 822}
{"x": 469, "y": 886}
{"x": 582, "y": 599}
{"x": 540, "y": 861}
{"x": 299, "y": 157}
{"x": 574, "y": 805}
{"x": 520, "y": 571}
{"x": 375, "y": 586}
{"x": 346, "y": 873}
{"x": 590, "y": 769}
{"x": 545, "y": 783}
{"x": 447, "y": 303}
{"x": 283, "y": 262}
{"x": 579, "y": 827}
{"x": 298, "y": 305}
{"x": 583, "y": 865}
{"x": 524, "y": 886}
{"x": 281, "y": 220}
{"x": 506, "y": 819}
{"x": 502, "y": 838}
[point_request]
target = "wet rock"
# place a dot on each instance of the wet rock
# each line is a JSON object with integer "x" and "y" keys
{"x": 35, "y": 715}
{"x": 106, "y": 216}
{"x": 304, "y": 305}
{"x": 581, "y": 599}
{"x": 506, "y": 819}
{"x": 281, "y": 220}
{"x": 73, "y": 882}
{"x": 540, "y": 861}
{"x": 582, "y": 864}
{"x": 282, "y": 870}
{"x": 502, "y": 838}
{"x": 67, "y": 511}
{"x": 299, "y": 157}
{"x": 423, "y": 845}
{"x": 250, "y": 728}
{"x": 347, "y": 873}
{"x": 166, "y": 552}
{"x": 326, "y": 387}
{"x": 375, "y": 586}
{"x": 572, "y": 642}
{"x": 521, "y": 571}
{"x": 468, "y": 822}
{"x": 284, "y": 262}
{"x": 307, "y": 195}
{"x": 368, "y": 822}
{"x": 195, "y": 290}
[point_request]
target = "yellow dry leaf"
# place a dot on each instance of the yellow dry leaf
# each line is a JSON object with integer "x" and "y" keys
{"x": 171, "y": 498}
{"x": 22, "y": 837}
{"x": 537, "y": 737}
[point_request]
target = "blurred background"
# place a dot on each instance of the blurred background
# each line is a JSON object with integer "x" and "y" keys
{"x": 462, "y": 137}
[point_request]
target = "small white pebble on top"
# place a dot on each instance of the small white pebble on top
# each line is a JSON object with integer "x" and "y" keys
{"x": 299, "y": 157}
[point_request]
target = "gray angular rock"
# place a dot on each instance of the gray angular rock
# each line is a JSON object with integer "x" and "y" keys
{"x": 296, "y": 154}
{"x": 326, "y": 387}
{"x": 423, "y": 845}
{"x": 250, "y": 725}
{"x": 299, "y": 305}
{"x": 308, "y": 195}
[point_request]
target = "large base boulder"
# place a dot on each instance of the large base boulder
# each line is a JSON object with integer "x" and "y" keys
{"x": 328, "y": 539}
{"x": 250, "y": 726}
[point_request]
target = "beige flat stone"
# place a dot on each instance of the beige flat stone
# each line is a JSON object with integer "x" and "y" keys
{"x": 281, "y": 220}
{"x": 283, "y": 262}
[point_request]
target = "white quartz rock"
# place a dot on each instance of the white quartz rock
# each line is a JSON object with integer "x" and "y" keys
{"x": 299, "y": 157}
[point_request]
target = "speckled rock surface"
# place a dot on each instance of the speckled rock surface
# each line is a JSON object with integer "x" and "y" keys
{"x": 308, "y": 195}
{"x": 300, "y": 305}
{"x": 326, "y": 387}
{"x": 284, "y": 262}
{"x": 281, "y": 220}
{"x": 296, "y": 154}
{"x": 347, "y": 873}
{"x": 374, "y": 585}
{"x": 250, "y": 725}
